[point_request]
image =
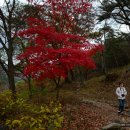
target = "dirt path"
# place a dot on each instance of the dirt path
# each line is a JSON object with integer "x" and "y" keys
{"x": 91, "y": 115}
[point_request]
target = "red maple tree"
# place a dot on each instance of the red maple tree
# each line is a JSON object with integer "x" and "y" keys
{"x": 52, "y": 53}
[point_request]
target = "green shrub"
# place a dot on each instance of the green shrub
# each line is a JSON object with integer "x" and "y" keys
{"x": 20, "y": 115}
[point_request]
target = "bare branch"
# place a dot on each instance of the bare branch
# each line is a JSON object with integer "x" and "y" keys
{"x": 3, "y": 66}
{"x": 3, "y": 44}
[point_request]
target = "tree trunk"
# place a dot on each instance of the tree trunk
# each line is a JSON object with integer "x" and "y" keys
{"x": 81, "y": 77}
{"x": 11, "y": 70}
{"x": 57, "y": 92}
{"x": 68, "y": 79}
{"x": 116, "y": 61}
{"x": 11, "y": 77}
{"x": 72, "y": 75}
{"x": 42, "y": 85}
{"x": 29, "y": 87}
{"x": 103, "y": 63}
{"x": 104, "y": 68}
{"x": 57, "y": 83}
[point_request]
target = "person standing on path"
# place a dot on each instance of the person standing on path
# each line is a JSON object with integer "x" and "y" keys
{"x": 121, "y": 93}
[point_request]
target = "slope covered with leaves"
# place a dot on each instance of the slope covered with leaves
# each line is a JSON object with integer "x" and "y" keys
{"x": 96, "y": 105}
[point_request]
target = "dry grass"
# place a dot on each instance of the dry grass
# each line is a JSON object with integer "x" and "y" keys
{"x": 95, "y": 89}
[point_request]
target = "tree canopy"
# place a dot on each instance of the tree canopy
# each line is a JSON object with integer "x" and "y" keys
{"x": 52, "y": 54}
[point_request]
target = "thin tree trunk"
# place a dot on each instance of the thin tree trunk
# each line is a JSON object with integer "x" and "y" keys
{"x": 58, "y": 92}
{"x": 116, "y": 61}
{"x": 103, "y": 63}
{"x": 103, "y": 52}
{"x": 11, "y": 74}
{"x": 57, "y": 83}
{"x": 68, "y": 79}
{"x": 42, "y": 85}
{"x": 11, "y": 82}
{"x": 81, "y": 77}
{"x": 29, "y": 87}
{"x": 72, "y": 75}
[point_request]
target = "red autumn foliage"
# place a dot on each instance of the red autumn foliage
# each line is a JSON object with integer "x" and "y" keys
{"x": 64, "y": 12}
{"x": 65, "y": 15}
{"x": 52, "y": 54}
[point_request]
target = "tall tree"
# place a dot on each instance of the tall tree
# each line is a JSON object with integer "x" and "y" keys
{"x": 52, "y": 54}
{"x": 119, "y": 10}
{"x": 7, "y": 37}
{"x": 69, "y": 16}
{"x": 12, "y": 16}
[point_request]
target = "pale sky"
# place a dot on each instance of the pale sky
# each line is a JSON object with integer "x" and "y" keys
{"x": 2, "y": 1}
{"x": 122, "y": 27}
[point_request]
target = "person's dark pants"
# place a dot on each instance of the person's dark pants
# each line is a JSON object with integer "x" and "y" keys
{"x": 121, "y": 104}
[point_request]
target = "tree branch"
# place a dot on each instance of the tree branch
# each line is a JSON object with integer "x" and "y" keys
{"x": 3, "y": 66}
{"x": 3, "y": 44}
